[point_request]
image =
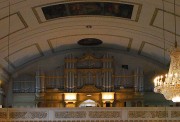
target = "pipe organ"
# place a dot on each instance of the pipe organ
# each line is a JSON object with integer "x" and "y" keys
{"x": 138, "y": 80}
{"x": 89, "y": 70}
{"x": 107, "y": 73}
{"x": 95, "y": 72}
{"x": 40, "y": 82}
{"x": 70, "y": 73}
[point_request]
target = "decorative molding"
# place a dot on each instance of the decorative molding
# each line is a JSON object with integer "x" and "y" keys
{"x": 175, "y": 114}
{"x": 147, "y": 114}
{"x": 129, "y": 45}
{"x": 28, "y": 115}
{"x": 89, "y": 89}
{"x": 36, "y": 14}
{"x": 21, "y": 19}
{"x": 143, "y": 44}
{"x": 36, "y": 45}
{"x": 112, "y": 114}
{"x": 16, "y": 3}
{"x": 17, "y": 115}
{"x": 138, "y": 12}
{"x": 34, "y": 9}
{"x": 70, "y": 114}
{"x": 104, "y": 114}
{"x": 3, "y": 115}
{"x": 141, "y": 47}
{"x": 53, "y": 49}
{"x": 155, "y": 16}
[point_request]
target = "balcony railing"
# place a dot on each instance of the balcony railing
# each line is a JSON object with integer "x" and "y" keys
{"x": 113, "y": 114}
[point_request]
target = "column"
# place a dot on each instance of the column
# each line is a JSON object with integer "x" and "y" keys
{"x": 138, "y": 80}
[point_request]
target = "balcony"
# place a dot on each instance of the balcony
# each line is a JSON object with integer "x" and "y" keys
{"x": 93, "y": 114}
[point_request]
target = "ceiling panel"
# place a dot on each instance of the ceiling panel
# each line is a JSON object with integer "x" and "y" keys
{"x": 169, "y": 22}
{"x": 150, "y": 50}
{"x": 114, "y": 41}
{"x": 24, "y": 55}
{"x": 29, "y": 30}
{"x": 16, "y": 24}
{"x": 41, "y": 18}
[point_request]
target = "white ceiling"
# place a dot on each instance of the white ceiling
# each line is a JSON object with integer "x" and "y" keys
{"x": 30, "y": 36}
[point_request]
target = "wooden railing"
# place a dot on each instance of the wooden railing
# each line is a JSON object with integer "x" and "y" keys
{"x": 113, "y": 114}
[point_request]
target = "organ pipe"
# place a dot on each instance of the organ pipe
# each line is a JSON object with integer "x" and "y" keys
{"x": 101, "y": 77}
{"x": 40, "y": 82}
{"x": 141, "y": 83}
{"x": 37, "y": 82}
{"x": 136, "y": 79}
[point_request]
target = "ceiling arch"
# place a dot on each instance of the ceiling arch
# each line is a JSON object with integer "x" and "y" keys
{"x": 30, "y": 36}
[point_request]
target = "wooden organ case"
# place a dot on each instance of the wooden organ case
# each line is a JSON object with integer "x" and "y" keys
{"x": 89, "y": 70}
{"x": 97, "y": 74}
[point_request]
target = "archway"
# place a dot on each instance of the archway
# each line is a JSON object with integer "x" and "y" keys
{"x": 89, "y": 103}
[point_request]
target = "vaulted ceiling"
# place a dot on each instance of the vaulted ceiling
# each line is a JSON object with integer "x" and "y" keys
{"x": 26, "y": 35}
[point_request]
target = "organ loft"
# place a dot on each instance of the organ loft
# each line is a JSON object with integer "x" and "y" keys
{"x": 86, "y": 81}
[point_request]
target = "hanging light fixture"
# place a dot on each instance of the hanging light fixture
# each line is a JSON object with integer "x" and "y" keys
{"x": 169, "y": 84}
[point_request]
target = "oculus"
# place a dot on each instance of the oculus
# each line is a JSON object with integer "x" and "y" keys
{"x": 89, "y": 42}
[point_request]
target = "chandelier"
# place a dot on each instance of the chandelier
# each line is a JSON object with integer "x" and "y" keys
{"x": 169, "y": 84}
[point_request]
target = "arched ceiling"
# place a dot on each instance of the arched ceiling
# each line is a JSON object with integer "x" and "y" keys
{"x": 26, "y": 35}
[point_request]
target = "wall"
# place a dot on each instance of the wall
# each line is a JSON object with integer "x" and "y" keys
{"x": 150, "y": 67}
{"x": 23, "y": 100}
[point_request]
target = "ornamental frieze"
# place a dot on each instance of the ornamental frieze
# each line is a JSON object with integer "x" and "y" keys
{"x": 104, "y": 114}
{"x": 70, "y": 114}
{"x": 17, "y": 115}
{"x": 175, "y": 114}
{"x": 89, "y": 89}
{"x": 3, "y": 115}
{"x": 147, "y": 114}
{"x": 28, "y": 115}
